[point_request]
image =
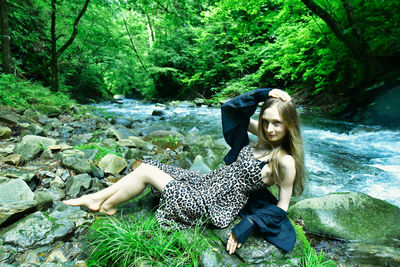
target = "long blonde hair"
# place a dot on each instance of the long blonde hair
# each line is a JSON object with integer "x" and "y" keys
{"x": 292, "y": 143}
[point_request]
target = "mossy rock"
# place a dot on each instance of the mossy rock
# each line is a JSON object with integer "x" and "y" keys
{"x": 49, "y": 110}
{"x": 349, "y": 216}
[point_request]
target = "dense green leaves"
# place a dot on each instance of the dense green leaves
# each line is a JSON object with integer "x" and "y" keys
{"x": 174, "y": 48}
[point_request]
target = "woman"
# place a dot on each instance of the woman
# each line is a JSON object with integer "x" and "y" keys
{"x": 219, "y": 196}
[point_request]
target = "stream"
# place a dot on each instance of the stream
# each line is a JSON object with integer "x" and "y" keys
{"x": 340, "y": 156}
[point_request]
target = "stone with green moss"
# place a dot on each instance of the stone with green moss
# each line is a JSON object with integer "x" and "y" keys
{"x": 349, "y": 216}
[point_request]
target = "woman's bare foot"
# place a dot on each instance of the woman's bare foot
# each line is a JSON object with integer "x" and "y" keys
{"x": 107, "y": 210}
{"x": 86, "y": 200}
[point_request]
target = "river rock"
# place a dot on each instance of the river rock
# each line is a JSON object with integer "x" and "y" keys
{"x": 258, "y": 252}
{"x": 44, "y": 141}
{"x": 35, "y": 129}
{"x": 35, "y": 230}
{"x": 121, "y": 132}
{"x": 122, "y": 121}
{"x": 76, "y": 185}
{"x": 16, "y": 197}
{"x": 112, "y": 164}
{"x": 5, "y": 132}
{"x": 14, "y": 159}
{"x": 349, "y": 216}
{"x": 50, "y": 111}
{"x": 28, "y": 151}
{"x": 25, "y": 175}
{"x": 43, "y": 200}
{"x": 76, "y": 160}
{"x": 158, "y": 112}
{"x": 137, "y": 142}
{"x": 134, "y": 153}
{"x": 6, "y": 149}
{"x": 36, "y": 116}
{"x": 200, "y": 165}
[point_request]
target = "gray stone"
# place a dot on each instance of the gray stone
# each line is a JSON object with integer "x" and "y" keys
{"x": 76, "y": 160}
{"x": 25, "y": 175}
{"x": 36, "y": 116}
{"x": 76, "y": 185}
{"x": 5, "y": 132}
{"x": 6, "y": 149}
{"x": 158, "y": 112}
{"x": 259, "y": 252}
{"x": 15, "y": 190}
{"x": 349, "y": 216}
{"x": 43, "y": 200}
{"x": 200, "y": 165}
{"x": 10, "y": 209}
{"x": 134, "y": 153}
{"x": 74, "y": 214}
{"x": 121, "y": 121}
{"x": 44, "y": 141}
{"x": 121, "y": 132}
{"x": 7, "y": 254}
{"x": 97, "y": 172}
{"x": 109, "y": 142}
{"x": 137, "y": 142}
{"x": 28, "y": 151}
{"x": 112, "y": 164}
{"x": 35, "y": 230}
{"x": 55, "y": 193}
{"x": 35, "y": 129}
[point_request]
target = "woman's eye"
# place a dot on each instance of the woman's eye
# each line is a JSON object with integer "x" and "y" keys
{"x": 277, "y": 123}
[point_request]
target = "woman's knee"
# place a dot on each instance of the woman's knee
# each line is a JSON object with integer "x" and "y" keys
{"x": 153, "y": 175}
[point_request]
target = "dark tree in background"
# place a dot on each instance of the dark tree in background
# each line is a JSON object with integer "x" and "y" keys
{"x": 5, "y": 36}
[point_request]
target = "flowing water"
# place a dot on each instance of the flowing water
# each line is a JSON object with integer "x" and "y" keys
{"x": 340, "y": 156}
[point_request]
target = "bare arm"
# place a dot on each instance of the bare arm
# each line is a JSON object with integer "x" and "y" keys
{"x": 277, "y": 93}
{"x": 286, "y": 186}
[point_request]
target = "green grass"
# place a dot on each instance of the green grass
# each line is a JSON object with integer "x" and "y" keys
{"x": 140, "y": 241}
{"x": 101, "y": 151}
{"x": 310, "y": 258}
{"x": 22, "y": 94}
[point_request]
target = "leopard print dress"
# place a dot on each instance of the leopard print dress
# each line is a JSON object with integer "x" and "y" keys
{"x": 216, "y": 197}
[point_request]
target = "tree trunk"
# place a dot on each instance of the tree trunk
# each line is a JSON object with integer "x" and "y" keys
{"x": 5, "y": 37}
{"x": 53, "y": 64}
{"x": 68, "y": 43}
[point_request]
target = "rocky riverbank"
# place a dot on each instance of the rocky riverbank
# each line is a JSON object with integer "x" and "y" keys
{"x": 47, "y": 158}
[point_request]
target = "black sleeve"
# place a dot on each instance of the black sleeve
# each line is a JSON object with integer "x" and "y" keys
{"x": 235, "y": 116}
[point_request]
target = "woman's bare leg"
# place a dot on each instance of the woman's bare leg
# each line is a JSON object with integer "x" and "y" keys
{"x": 125, "y": 189}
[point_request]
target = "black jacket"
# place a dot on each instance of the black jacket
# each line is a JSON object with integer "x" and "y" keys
{"x": 260, "y": 212}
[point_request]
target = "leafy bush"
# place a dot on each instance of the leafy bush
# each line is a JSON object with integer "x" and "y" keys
{"x": 101, "y": 151}
{"x": 23, "y": 94}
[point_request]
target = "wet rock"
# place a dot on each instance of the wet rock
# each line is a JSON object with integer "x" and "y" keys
{"x": 13, "y": 159}
{"x": 97, "y": 172}
{"x": 76, "y": 160}
{"x": 28, "y": 151}
{"x": 349, "y": 216}
{"x": 200, "y": 101}
{"x": 5, "y": 132}
{"x": 44, "y": 141}
{"x": 56, "y": 256}
{"x": 112, "y": 164}
{"x": 158, "y": 112}
{"x": 36, "y": 116}
{"x": 15, "y": 198}
{"x": 55, "y": 193}
{"x": 43, "y": 200}
{"x": 6, "y": 149}
{"x": 51, "y": 111}
{"x": 121, "y": 121}
{"x": 35, "y": 129}
{"x": 76, "y": 185}
{"x": 137, "y": 142}
{"x": 74, "y": 214}
{"x": 200, "y": 165}
{"x": 25, "y": 175}
{"x": 35, "y": 230}
{"x": 257, "y": 251}
{"x": 109, "y": 142}
{"x": 134, "y": 153}
{"x": 120, "y": 132}
{"x": 7, "y": 254}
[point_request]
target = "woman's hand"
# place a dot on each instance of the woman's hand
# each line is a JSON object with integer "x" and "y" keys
{"x": 278, "y": 93}
{"x": 232, "y": 243}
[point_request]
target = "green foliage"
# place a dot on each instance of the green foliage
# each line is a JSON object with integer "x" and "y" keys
{"x": 168, "y": 141}
{"x": 22, "y": 94}
{"x": 310, "y": 258}
{"x": 131, "y": 241}
{"x": 101, "y": 151}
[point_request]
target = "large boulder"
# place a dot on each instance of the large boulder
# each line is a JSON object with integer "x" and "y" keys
{"x": 16, "y": 197}
{"x": 28, "y": 151}
{"x": 76, "y": 160}
{"x": 44, "y": 141}
{"x": 36, "y": 230}
{"x": 349, "y": 216}
{"x": 112, "y": 164}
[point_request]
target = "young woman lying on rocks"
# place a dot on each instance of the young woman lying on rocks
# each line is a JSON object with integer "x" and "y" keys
{"x": 219, "y": 196}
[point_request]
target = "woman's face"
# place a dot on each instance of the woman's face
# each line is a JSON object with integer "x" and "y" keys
{"x": 273, "y": 124}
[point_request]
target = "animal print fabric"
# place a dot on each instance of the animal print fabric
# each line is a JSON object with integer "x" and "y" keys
{"x": 217, "y": 196}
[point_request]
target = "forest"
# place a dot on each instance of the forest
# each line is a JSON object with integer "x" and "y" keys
{"x": 183, "y": 49}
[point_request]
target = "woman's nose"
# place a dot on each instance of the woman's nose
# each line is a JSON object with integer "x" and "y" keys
{"x": 270, "y": 128}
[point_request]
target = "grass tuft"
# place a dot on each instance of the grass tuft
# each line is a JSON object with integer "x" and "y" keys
{"x": 140, "y": 241}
